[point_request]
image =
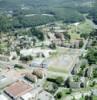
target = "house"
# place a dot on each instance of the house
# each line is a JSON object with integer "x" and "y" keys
{"x": 40, "y": 73}
{"x": 32, "y": 95}
{"x": 94, "y": 92}
{"x": 87, "y": 93}
{"x": 77, "y": 95}
{"x": 76, "y": 69}
{"x": 27, "y": 96}
{"x": 17, "y": 89}
{"x": 26, "y": 52}
{"x": 59, "y": 35}
{"x": 76, "y": 82}
{"x": 45, "y": 96}
{"x": 4, "y": 58}
{"x": 13, "y": 55}
{"x": 84, "y": 81}
{"x": 89, "y": 72}
{"x": 46, "y": 42}
{"x": 3, "y": 97}
{"x": 76, "y": 24}
{"x": 5, "y": 81}
{"x": 31, "y": 77}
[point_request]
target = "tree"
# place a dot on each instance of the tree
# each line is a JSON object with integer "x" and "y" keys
{"x": 30, "y": 78}
{"x": 59, "y": 95}
{"x": 69, "y": 91}
{"x": 67, "y": 36}
{"x": 1, "y": 50}
{"x": 38, "y": 34}
{"x": 92, "y": 56}
{"x": 83, "y": 35}
{"x": 52, "y": 45}
{"x": 81, "y": 43}
{"x": 18, "y": 51}
{"x": 18, "y": 66}
{"x": 88, "y": 97}
{"x": 93, "y": 33}
{"x": 59, "y": 80}
{"x": 26, "y": 58}
{"x": 34, "y": 42}
{"x": 67, "y": 82}
{"x": 5, "y": 24}
{"x": 95, "y": 72}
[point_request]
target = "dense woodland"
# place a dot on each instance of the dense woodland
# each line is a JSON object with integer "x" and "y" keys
{"x": 69, "y": 11}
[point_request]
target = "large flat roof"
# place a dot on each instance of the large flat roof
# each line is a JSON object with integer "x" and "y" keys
{"x": 17, "y": 89}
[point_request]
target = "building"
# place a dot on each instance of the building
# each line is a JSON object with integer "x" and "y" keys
{"x": 31, "y": 77}
{"x": 3, "y": 97}
{"x": 45, "y": 96}
{"x": 40, "y": 73}
{"x": 4, "y": 58}
{"x": 5, "y": 81}
{"x": 89, "y": 72}
{"x": 94, "y": 92}
{"x": 13, "y": 55}
{"x": 75, "y": 84}
{"x": 32, "y": 95}
{"x": 36, "y": 51}
{"x": 87, "y": 93}
{"x": 77, "y": 95}
{"x": 27, "y": 96}
{"x": 17, "y": 89}
{"x": 76, "y": 69}
{"x": 2, "y": 78}
{"x": 37, "y": 63}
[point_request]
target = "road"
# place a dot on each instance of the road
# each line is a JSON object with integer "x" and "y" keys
{"x": 84, "y": 46}
{"x": 82, "y": 50}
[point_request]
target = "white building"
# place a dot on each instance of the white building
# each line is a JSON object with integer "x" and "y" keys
{"x": 31, "y": 95}
{"x": 35, "y": 51}
{"x": 45, "y": 96}
{"x": 12, "y": 55}
{"x": 2, "y": 78}
{"x": 3, "y": 97}
{"x": 28, "y": 96}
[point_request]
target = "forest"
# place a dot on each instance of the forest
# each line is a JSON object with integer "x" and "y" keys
{"x": 31, "y": 13}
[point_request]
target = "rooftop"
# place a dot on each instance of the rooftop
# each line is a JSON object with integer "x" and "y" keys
{"x": 2, "y": 97}
{"x": 17, "y": 89}
{"x": 2, "y": 78}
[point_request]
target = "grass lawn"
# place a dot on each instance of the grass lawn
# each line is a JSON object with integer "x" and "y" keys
{"x": 73, "y": 34}
{"x": 94, "y": 97}
{"x": 57, "y": 69}
{"x": 83, "y": 27}
{"x": 82, "y": 98}
{"x": 3, "y": 45}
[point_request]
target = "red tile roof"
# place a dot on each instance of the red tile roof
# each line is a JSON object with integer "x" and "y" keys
{"x": 17, "y": 89}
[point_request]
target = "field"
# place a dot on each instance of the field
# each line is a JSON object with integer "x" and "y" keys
{"x": 62, "y": 62}
{"x": 83, "y": 27}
